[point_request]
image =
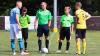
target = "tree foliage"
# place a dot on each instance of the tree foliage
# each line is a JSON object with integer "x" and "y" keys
{"x": 92, "y": 6}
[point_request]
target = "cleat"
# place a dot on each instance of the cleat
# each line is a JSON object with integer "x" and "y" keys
{"x": 78, "y": 53}
{"x": 24, "y": 53}
{"x": 66, "y": 52}
{"x": 26, "y": 50}
{"x": 58, "y": 51}
{"x": 40, "y": 51}
{"x": 14, "y": 53}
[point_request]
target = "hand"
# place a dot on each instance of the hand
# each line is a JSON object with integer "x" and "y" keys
{"x": 49, "y": 25}
{"x": 78, "y": 22}
{"x": 35, "y": 26}
{"x": 19, "y": 27}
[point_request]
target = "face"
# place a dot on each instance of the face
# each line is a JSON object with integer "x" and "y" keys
{"x": 43, "y": 5}
{"x": 19, "y": 4}
{"x": 76, "y": 6}
{"x": 24, "y": 11}
{"x": 67, "y": 10}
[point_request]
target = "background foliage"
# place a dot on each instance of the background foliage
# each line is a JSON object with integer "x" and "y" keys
{"x": 92, "y": 6}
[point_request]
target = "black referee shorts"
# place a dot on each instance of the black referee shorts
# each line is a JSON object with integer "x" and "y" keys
{"x": 24, "y": 33}
{"x": 65, "y": 32}
{"x": 80, "y": 33}
{"x": 43, "y": 29}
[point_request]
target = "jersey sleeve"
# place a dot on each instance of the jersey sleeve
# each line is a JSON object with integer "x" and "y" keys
{"x": 49, "y": 16}
{"x": 17, "y": 11}
{"x": 20, "y": 18}
{"x": 72, "y": 20}
{"x": 28, "y": 19}
{"x": 61, "y": 19}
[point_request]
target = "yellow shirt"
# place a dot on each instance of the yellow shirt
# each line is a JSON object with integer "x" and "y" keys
{"x": 81, "y": 17}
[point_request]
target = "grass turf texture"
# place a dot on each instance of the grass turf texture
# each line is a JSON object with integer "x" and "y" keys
{"x": 93, "y": 45}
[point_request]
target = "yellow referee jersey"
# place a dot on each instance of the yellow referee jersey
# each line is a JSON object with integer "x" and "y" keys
{"x": 81, "y": 17}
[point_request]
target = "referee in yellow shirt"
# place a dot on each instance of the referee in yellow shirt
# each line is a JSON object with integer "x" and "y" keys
{"x": 81, "y": 18}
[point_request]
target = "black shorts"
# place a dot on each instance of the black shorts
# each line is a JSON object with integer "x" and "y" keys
{"x": 24, "y": 33}
{"x": 65, "y": 32}
{"x": 43, "y": 29}
{"x": 80, "y": 33}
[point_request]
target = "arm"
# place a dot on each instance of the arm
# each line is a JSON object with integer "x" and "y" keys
{"x": 28, "y": 19}
{"x": 72, "y": 25}
{"x": 49, "y": 16}
{"x": 87, "y": 16}
{"x": 76, "y": 19}
{"x": 49, "y": 24}
{"x": 17, "y": 19}
{"x": 36, "y": 20}
{"x": 72, "y": 29}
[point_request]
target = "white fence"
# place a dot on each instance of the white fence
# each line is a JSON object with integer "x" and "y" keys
{"x": 31, "y": 25}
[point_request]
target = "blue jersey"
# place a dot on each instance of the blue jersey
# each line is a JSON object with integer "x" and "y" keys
{"x": 13, "y": 13}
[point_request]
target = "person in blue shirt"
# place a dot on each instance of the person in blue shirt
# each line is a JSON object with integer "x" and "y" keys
{"x": 15, "y": 28}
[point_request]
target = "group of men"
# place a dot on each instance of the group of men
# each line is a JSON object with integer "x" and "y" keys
{"x": 19, "y": 27}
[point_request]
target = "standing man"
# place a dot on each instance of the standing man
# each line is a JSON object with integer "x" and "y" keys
{"x": 43, "y": 16}
{"x": 81, "y": 18}
{"x": 66, "y": 24}
{"x": 24, "y": 20}
{"x": 15, "y": 28}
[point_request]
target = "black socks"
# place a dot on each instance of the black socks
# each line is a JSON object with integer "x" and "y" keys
{"x": 39, "y": 44}
{"x": 47, "y": 43}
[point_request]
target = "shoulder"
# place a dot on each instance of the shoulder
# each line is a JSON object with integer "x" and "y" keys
{"x": 77, "y": 11}
{"x": 39, "y": 10}
{"x": 27, "y": 15}
{"x": 63, "y": 16}
{"x": 70, "y": 15}
{"x": 16, "y": 9}
{"x": 48, "y": 11}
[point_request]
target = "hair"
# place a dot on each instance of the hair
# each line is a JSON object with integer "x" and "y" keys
{"x": 18, "y": 2}
{"x": 43, "y": 2}
{"x": 67, "y": 6}
{"x": 79, "y": 4}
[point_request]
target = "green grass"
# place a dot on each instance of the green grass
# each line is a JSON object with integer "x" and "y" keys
{"x": 93, "y": 42}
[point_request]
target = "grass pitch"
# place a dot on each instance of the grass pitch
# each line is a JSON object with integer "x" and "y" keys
{"x": 93, "y": 45}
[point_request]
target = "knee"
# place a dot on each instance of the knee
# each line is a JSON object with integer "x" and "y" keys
{"x": 68, "y": 41}
{"x": 83, "y": 39}
{"x": 12, "y": 40}
{"x": 60, "y": 41}
{"x": 46, "y": 38}
{"x": 20, "y": 40}
{"x": 25, "y": 40}
{"x": 78, "y": 39}
{"x": 39, "y": 38}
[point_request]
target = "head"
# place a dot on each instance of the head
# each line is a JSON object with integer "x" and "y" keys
{"x": 24, "y": 10}
{"x": 19, "y": 4}
{"x": 67, "y": 9}
{"x": 78, "y": 5}
{"x": 43, "y": 5}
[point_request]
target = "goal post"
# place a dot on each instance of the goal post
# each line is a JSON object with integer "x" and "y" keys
{"x": 55, "y": 29}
